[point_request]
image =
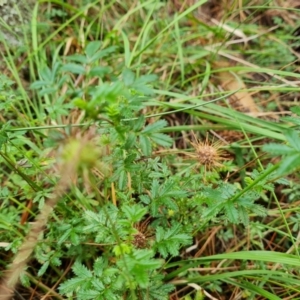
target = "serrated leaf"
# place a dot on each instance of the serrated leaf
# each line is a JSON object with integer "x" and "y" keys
{"x": 140, "y": 263}
{"x": 134, "y": 213}
{"x": 138, "y": 124}
{"x": 248, "y": 180}
{"x": 88, "y": 294}
{"x": 259, "y": 210}
{"x": 98, "y": 285}
{"x": 293, "y": 138}
{"x": 128, "y": 77}
{"x": 64, "y": 236}
{"x": 99, "y": 266}
{"x": 145, "y": 199}
{"x": 121, "y": 249}
{"x": 106, "y": 93}
{"x": 283, "y": 181}
{"x": 92, "y": 48}
{"x": 162, "y": 139}
{"x": 92, "y": 216}
{"x": 154, "y": 127}
{"x": 122, "y": 180}
{"x": 111, "y": 272}
{"x": 130, "y": 141}
{"x": 142, "y": 278}
{"x": 74, "y": 68}
{"x": 169, "y": 241}
{"x": 145, "y": 145}
{"x": 103, "y": 53}
{"x": 142, "y": 85}
{"x": 231, "y": 212}
{"x": 155, "y": 189}
{"x": 160, "y": 291}
{"x": 170, "y": 189}
{"x": 24, "y": 279}
{"x": 43, "y": 269}
{"x": 277, "y": 149}
{"x": 74, "y": 238}
{"x": 160, "y": 232}
{"x": 289, "y": 164}
{"x": 77, "y": 58}
{"x": 244, "y": 216}
{"x": 212, "y": 211}
{"x": 99, "y": 71}
{"x": 128, "y": 161}
{"x": 72, "y": 284}
{"x": 81, "y": 270}
{"x": 55, "y": 261}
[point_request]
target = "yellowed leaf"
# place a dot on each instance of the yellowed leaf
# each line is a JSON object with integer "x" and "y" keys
{"x": 230, "y": 81}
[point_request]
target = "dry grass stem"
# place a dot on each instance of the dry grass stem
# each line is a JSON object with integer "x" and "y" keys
{"x": 67, "y": 171}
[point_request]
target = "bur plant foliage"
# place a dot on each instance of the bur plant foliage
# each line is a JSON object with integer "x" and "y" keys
{"x": 150, "y": 222}
{"x": 131, "y": 211}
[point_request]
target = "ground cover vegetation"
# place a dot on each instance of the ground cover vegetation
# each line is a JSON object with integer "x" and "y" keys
{"x": 150, "y": 150}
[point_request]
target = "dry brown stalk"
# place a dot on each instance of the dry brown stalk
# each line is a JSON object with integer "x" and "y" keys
{"x": 67, "y": 171}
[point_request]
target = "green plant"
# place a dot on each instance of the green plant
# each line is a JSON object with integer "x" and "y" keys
{"x": 114, "y": 139}
{"x": 289, "y": 152}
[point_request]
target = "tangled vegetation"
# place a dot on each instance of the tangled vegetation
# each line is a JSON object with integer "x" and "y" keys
{"x": 151, "y": 150}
